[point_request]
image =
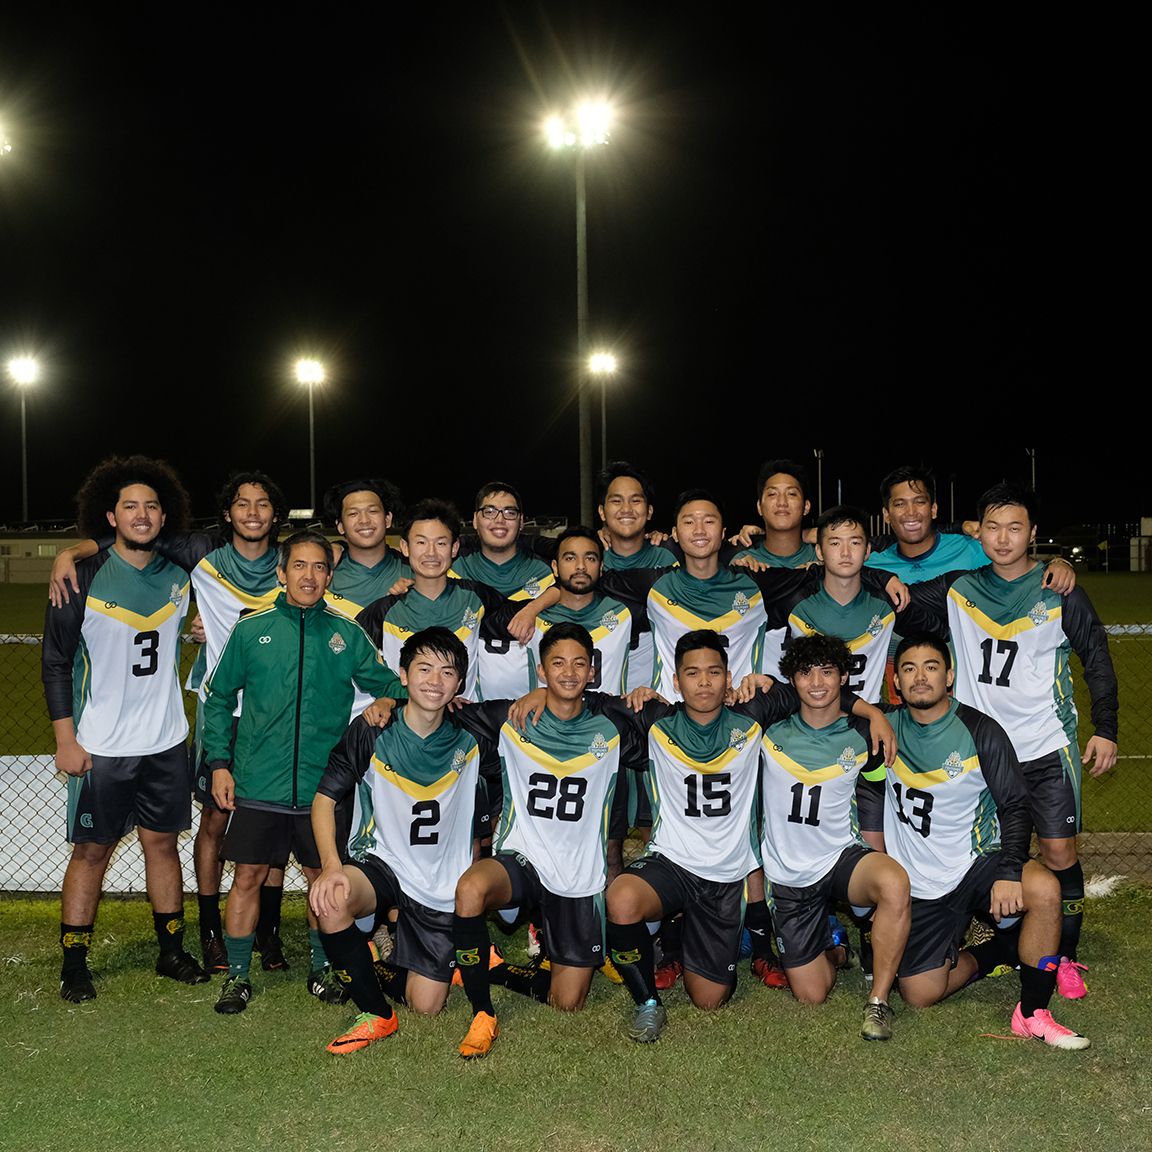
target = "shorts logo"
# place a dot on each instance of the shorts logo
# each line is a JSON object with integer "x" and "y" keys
{"x": 1038, "y": 614}
{"x": 86, "y": 820}
{"x": 737, "y": 739}
{"x": 740, "y": 604}
{"x": 875, "y": 626}
{"x": 336, "y": 645}
{"x": 599, "y": 747}
{"x": 953, "y": 766}
{"x": 202, "y": 783}
{"x": 264, "y": 640}
{"x": 847, "y": 760}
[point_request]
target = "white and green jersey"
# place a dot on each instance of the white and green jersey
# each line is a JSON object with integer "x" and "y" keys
{"x": 503, "y": 668}
{"x": 955, "y": 792}
{"x": 354, "y": 585}
{"x": 865, "y": 625}
{"x": 775, "y": 638}
{"x": 610, "y": 625}
{"x": 423, "y": 795}
{"x": 702, "y": 781}
{"x": 642, "y": 654}
{"x": 729, "y": 603}
{"x": 809, "y": 778}
{"x": 111, "y": 656}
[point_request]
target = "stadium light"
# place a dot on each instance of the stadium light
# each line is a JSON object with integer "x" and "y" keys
{"x": 24, "y": 371}
{"x": 603, "y": 365}
{"x": 311, "y": 372}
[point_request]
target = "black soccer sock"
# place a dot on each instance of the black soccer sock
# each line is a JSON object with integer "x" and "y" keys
{"x": 671, "y": 937}
{"x": 75, "y": 939}
{"x": 351, "y": 960}
{"x": 529, "y": 980}
{"x": 271, "y": 899}
{"x": 758, "y": 921}
{"x": 210, "y": 923}
{"x": 169, "y": 930}
{"x": 1072, "y": 907}
{"x": 393, "y": 980}
{"x": 999, "y": 948}
{"x": 1036, "y": 987}
{"x": 473, "y": 944}
{"x": 632, "y": 951}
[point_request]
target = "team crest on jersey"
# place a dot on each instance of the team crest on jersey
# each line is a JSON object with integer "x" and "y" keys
{"x": 847, "y": 760}
{"x": 1039, "y": 613}
{"x": 953, "y": 766}
{"x": 740, "y": 604}
{"x": 599, "y": 747}
{"x": 468, "y": 620}
{"x": 737, "y": 738}
{"x": 175, "y": 596}
{"x": 459, "y": 759}
{"x": 532, "y": 588}
{"x": 336, "y": 644}
{"x": 875, "y": 626}
{"x": 610, "y": 621}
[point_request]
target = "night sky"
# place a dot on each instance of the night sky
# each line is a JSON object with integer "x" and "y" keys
{"x": 806, "y": 230}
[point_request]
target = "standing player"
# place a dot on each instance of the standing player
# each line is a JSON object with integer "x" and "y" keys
{"x": 558, "y": 782}
{"x": 956, "y": 817}
{"x": 110, "y": 667}
{"x": 423, "y": 771}
{"x": 1013, "y": 637}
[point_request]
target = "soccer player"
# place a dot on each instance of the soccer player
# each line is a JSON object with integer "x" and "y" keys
{"x": 298, "y": 663}
{"x": 516, "y": 574}
{"x": 704, "y": 775}
{"x": 423, "y": 770}
{"x": 1013, "y": 636}
{"x": 814, "y": 851}
{"x": 549, "y": 852}
{"x": 956, "y": 816}
{"x": 233, "y": 571}
{"x": 110, "y": 668}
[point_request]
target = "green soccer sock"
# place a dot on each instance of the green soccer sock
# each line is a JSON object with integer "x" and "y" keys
{"x": 239, "y": 954}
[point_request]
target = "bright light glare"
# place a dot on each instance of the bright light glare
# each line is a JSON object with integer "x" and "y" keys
{"x": 591, "y": 125}
{"x": 24, "y": 370}
{"x": 309, "y": 372}
{"x": 5, "y": 143}
{"x": 602, "y": 363}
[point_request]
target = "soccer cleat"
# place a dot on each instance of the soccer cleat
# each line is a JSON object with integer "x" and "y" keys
{"x": 877, "y": 1022}
{"x": 215, "y": 954}
{"x": 271, "y": 953}
{"x": 234, "y": 996}
{"x": 76, "y": 986}
{"x": 1069, "y": 983}
{"x": 838, "y": 931}
{"x": 768, "y": 971}
{"x": 866, "y": 953}
{"x": 667, "y": 973}
{"x": 180, "y": 966}
{"x": 482, "y": 1033}
{"x": 367, "y": 1030}
{"x": 745, "y": 944}
{"x": 1041, "y": 1026}
{"x": 648, "y": 1022}
{"x": 535, "y": 944}
{"x": 325, "y": 985}
{"x": 610, "y": 970}
{"x": 495, "y": 959}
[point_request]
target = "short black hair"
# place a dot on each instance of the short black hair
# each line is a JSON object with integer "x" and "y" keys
{"x": 231, "y": 489}
{"x": 689, "y": 495}
{"x": 699, "y": 638}
{"x": 494, "y": 486}
{"x": 567, "y": 630}
{"x": 1007, "y": 492}
{"x": 922, "y": 640}
{"x": 305, "y": 536}
{"x": 432, "y": 508}
{"x": 815, "y": 651}
{"x": 791, "y": 468}
{"x": 580, "y": 532}
{"x": 442, "y": 642}
{"x": 617, "y": 468}
{"x": 384, "y": 490}
{"x": 917, "y": 475}
{"x": 840, "y": 514}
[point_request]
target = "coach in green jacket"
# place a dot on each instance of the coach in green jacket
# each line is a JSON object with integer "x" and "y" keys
{"x": 298, "y": 663}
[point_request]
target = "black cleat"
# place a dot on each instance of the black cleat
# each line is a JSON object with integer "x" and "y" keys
{"x": 76, "y": 986}
{"x": 271, "y": 953}
{"x": 215, "y": 954}
{"x": 180, "y": 966}
{"x": 325, "y": 985}
{"x": 234, "y": 996}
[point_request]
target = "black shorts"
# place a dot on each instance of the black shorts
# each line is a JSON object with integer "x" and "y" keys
{"x": 800, "y": 915}
{"x": 1053, "y": 783}
{"x": 573, "y": 926}
{"x": 201, "y": 777}
{"x": 120, "y": 793}
{"x": 939, "y": 925}
{"x": 424, "y": 943}
{"x": 713, "y": 915}
{"x": 260, "y": 836}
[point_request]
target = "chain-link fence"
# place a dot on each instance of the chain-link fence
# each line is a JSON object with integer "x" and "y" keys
{"x": 1117, "y": 808}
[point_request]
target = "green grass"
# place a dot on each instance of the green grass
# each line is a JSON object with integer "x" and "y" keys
{"x": 148, "y": 1064}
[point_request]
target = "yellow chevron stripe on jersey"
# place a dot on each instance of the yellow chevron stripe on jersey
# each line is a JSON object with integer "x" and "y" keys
{"x": 560, "y": 768}
{"x": 930, "y": 779}
{"x": 716, "y": 623}
{"x": 1003, "y": 631}
{"x": 135, "y": 620}
{"x": 416, "y": 790}
{"x": 720, "y": 763}
{"x": 248, "y": 600}
{"x": 819, "y": 775}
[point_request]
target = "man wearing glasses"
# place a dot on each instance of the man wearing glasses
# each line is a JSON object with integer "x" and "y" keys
{"x": 516, "y": 573}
